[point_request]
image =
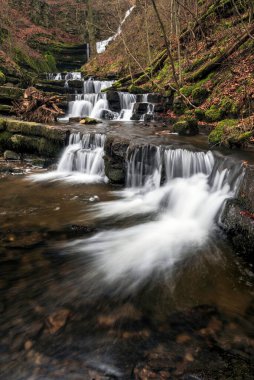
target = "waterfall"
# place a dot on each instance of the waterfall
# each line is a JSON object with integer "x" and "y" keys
{"x": 102, "y": 45}
{"x": 93, "y": 101}
{"x": 81, "y": 162}
{"x": 174, "y": 197}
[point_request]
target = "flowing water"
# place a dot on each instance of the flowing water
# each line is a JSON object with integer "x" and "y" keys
{"x": 103, "y": 282}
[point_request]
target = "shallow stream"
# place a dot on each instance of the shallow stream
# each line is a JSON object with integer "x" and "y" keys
{"x": 95, "y": 286}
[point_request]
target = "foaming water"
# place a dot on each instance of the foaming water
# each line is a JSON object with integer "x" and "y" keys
{"x": 81, "y": 162}
{"x": 178, "y": 218}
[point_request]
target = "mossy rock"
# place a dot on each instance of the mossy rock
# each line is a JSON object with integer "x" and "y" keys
{"x": 10, "y": 93}
{"x": 179, "y": 106}
{"x": 5, "y": 141}
{"x": 199, "y": 95}
{"x": 229, "y": 107}
{"x": 217, "y": 136}
{"x": 88, "y": 121}
{"x": 35, "y": 145}
{"x": 213, "y": 114}
{"x": 51, "y": 133}
{"x": 200, "y": 114}
{"x": 2, "y": 124}
{"x": 186, "y": 127}
{"x": 2, "y": 78}
{"x": 5, "y": 109}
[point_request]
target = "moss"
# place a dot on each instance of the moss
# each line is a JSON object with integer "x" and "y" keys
{"x": 35, "y": 129}
{"x": 88, "y": 121}
{"x": 10, "y": 93}
{"x": 2, "y": 124}
{"x": 199, "y": 95}
{"x": 186, "y": 127}
{"x": 216, "y": 137}
{"x": 229, "y": 107}
{"x": 2, "y": 78}
{"x": 200, "y": 114}
{"x": 51, "y": 62}
{"x": 5, "y": 108}
{"x": 35, "y": 145}
{"x": 5, "y": 141}
{"x": 213, "y": 114}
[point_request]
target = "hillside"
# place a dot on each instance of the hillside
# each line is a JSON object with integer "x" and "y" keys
{"x": 212, "y": 56}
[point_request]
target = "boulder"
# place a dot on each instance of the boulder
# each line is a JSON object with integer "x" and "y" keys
{"x": 9, "y": 155}
{"x": 108, "y": 115}
{"x": 186, "y": 127}
{"x": 114, "y": 101}
{"x": 237, "y": 218}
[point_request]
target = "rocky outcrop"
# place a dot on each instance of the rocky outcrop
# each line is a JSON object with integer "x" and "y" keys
{"x": 115, "y": 156}
{"x": 25, "y": 137}
{"x": 237, "y": 218}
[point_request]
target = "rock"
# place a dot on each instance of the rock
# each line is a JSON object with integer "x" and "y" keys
{"x": 115, "y": 155}
{"x": 114, "y": 101}
{"x": 35, "y": 145}
{"x": 108, "y": 115}
{"x": 9, "y": 155}
{"x": 88, "y": 121}
{"x": 140, "y": 108}
{"x": 178, "y": 105}
{"x": 186, "y": 127}
{"x": 74, "y": 119}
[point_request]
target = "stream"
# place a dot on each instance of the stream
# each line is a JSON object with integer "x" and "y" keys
{"x": 135, "y": 282}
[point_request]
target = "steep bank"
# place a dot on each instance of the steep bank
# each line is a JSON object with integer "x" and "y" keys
{"x": 212, "y": 57}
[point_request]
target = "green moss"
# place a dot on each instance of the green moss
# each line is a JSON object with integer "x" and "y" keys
{"x": 213, "y": 114}
{"x": 88, "y": 121}
{"x": 35, "y": 145}
{"x": 199, "y": 95}
{"x": 186, "y": 127}
{"x": 2, "y": 78}
{"x": 51, "y": 62}
{"x": 216, "y": 137}
{"x": 229, "y": 107}
{"x": 200, "y": 114}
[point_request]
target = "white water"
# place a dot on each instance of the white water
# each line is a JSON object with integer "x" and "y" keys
{"x": 178, "y": 216}
{"x": 81, "y": 162}
{"x": 102, "y": 45}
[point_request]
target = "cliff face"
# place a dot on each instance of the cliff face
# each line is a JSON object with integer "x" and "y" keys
{"x": 40, "y": 36}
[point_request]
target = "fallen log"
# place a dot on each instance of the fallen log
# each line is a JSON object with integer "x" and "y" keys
{"x": 38, "y": 106}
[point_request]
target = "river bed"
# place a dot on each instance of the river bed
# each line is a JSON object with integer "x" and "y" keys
{"x": 63, "y": 318}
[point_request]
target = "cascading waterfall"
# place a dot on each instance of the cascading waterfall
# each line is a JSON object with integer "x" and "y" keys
{"x": 182, "y": 192}
{"x": 81, "y": 162}
{"x": 93, "y": 102}
{"x": 102, "y": 45}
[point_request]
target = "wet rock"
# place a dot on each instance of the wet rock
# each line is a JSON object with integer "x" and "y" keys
{"x": 237, "y": 218}
{"x": 186, "y": 127}
{"x": 140, "y": 108}
{"x": 58, "y": 320}
{"x": 114, "y": 101}
{"x": 115, "y": 155}
{"x": 74, "y": 119}
{"x": 9, "y": 155}
{"x": 108, "y": 115}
